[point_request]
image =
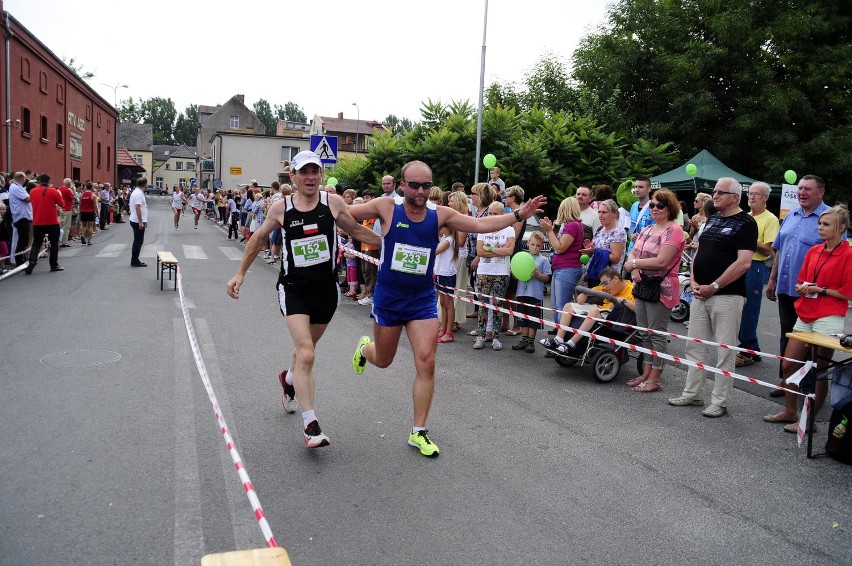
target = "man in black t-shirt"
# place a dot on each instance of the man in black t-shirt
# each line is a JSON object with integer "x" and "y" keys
{"x": 718, "y": 284}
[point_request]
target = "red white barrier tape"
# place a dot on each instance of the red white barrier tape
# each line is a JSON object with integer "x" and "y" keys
{"x": 627, "y": 345}
{"x": 223, "y": 427}
{"x": 26, "y": 251}
{"x": 650, "y": 330}
{"x": 632, "y": 347}
{"x": 371, "y": 259}
{"x": 14, "y": 270}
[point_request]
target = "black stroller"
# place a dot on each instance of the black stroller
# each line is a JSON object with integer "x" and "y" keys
{"x": 606, "y": 359}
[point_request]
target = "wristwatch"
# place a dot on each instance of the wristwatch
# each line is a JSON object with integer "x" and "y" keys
{"x": 824, "y": 291}
{"x": 517, "y": 215}
{"x": 715, "y": 286}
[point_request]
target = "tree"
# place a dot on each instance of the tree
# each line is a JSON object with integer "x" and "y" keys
{"x": 161, "y": 114}
{"x": 396, "y": 125}
{"x": 187, "y": 125}
{"x": 699, "y": 73}
{"x": 78, "y": 69}
{"x": 264, "y": 113}
{"x": 291, "y": 112}
{"x": 129, "y": 111}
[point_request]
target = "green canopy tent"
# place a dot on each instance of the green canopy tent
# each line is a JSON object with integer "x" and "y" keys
{"x": 710, "y": 170}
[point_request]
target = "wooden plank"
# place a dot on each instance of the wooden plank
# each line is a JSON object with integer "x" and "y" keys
{"x": 254, "y": 557}
{"x": 166, "y": 257}
{"x": 821, "y": 340}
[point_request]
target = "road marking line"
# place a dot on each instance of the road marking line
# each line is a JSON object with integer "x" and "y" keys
{"x": 231, "y": 253}
{"x": 193, "y": 252}
{"x": 188, "y": 532}
{"x": 70, "y": 252}
{"x": 244, "y": 526}
{"x": 112, "y": 250}
{"x": 148, "y": 250}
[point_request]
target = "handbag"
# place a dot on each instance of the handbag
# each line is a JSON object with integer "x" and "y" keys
{"x": 648, "y": 289}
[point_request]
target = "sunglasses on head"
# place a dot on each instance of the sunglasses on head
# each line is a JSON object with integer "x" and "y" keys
{"x": 415, "y": 185}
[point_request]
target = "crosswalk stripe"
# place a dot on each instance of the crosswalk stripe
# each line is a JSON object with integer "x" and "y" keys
{"x": 193, "y": 252}
{"x": 71, "y": 252}
{"x": 231, "y": 253}
{"x": 112, "y": 250}
{"x": 148, "y": 250}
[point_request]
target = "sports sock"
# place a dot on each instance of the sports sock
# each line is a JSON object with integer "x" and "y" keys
{"x": 288, "y": 377}
{"x": 417, "y": 429}
{"x": 558, "y": 340}
{"x": 307, "y": 417}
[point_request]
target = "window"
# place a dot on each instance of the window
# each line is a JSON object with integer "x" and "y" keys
{"x": 26, "y": 125}
{"x": 60, "y": 94}
{"x": 109, "y": 125}
{"x": 190, "y": 165}
{"x": 99, "y": 155}
{"x": 167, "y": 166}
{"x": 109, "y": 158}
{"x": 235, "y": 122}
{"x": 42, "y": 82}
{"x": 288, "y": 152}
{"x": 137, "y": 157}
{"x": 60, "y": 135}
{"x": 179, "y": 165}
{"x": 88, "y": 112}
{"x": 99, "y": 119}
{"x": 25, "y": 69}
{"x": 158, "y": 182}
{"x": 43, "y": 128}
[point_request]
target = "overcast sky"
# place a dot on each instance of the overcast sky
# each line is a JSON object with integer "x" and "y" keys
{"x": 386, "y": 55}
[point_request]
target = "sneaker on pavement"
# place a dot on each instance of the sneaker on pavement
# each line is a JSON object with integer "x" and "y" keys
{"x": 288, "y": 398}
{"x": 714, "y": 411}
{"x": 479, "y": 343}
{"x": 314, "y": 438}
{"x": 530, "y": 349}
{"x": 359, "y": 362}
{"x": 685, "y": 402}
{"x": 520, "y": 345}
{"x": 368, "y": 300}
{"x": 549, "y": 343}
{"x": 496, "y": 344}
{"x": 420, "y": 439}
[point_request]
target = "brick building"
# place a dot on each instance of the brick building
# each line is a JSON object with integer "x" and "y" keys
{"x": 52, "y": 121}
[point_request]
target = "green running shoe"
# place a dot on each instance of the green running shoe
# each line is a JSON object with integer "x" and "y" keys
{"x": 359, "y": 362}
{"x": 420, "y": 439}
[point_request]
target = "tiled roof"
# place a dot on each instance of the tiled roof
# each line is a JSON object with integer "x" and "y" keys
{"x": 124, "y": 159}
{"x": 134, "y": 136}
{"x": 182, "y": 151}
{"x": 350, "y": 126}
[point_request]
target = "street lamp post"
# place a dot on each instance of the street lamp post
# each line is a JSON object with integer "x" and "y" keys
{"x": 357, "y": 126}
{"x": 115, "y": 91}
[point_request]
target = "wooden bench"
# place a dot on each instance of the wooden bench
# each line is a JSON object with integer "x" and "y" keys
{"x": 259, "y": 557}
{"x": 166, "y": 262}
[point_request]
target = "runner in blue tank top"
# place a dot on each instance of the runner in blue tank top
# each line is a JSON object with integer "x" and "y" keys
{"x": 405, "y": 293}
{"x": 307, "y": 285}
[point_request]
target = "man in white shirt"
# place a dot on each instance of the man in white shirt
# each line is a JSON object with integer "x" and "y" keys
{"x": 22, "y": 217}
{"x": 138, "y": 220}
{"x": 588, "y": 215}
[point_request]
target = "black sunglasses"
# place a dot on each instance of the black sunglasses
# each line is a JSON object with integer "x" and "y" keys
{"x": 415, "y": 185}
{"x": 657, "y": 205}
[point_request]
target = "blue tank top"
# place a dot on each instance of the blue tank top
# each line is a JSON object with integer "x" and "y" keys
{"x": 407, "y": 258}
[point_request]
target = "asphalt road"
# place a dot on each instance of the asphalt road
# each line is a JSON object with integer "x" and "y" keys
{"x": 122, "y": 462}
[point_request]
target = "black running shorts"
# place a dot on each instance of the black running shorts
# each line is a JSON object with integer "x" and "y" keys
{"x": 318, "y": 303}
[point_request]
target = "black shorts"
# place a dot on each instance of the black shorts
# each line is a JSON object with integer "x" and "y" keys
{"x": 531, "y": 307}
{"x": 513, "y": 286}
{"x": 87, "y": 217}
{"x": 318, "y": 303}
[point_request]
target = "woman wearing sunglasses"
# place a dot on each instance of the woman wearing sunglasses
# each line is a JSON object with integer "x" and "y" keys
{"x": 657, "y": 253}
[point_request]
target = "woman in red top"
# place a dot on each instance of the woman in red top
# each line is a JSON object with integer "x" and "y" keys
{"x": 825, "y": 289}
{"x": 87, "y": 214}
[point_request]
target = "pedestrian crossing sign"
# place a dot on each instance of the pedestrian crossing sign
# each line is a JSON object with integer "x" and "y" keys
{"x": 325, "y": 147}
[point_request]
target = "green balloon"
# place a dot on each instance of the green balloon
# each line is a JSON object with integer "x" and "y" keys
{"x": 691, "y": 169}
{"x": 790, "y": 177}
{"x": 489, "y": 160}
{"x": 523, "y": 265}
{"x": 331, "y": 181}
{"x": 584, "y": 259}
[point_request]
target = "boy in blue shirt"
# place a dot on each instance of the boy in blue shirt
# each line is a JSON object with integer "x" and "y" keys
{"x": 531, "y": 294}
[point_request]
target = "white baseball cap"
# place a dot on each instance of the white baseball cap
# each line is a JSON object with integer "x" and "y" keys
{"x": 303, "y": 158}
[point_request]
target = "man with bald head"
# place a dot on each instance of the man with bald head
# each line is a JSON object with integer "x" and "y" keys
{"x": 588, "y": 215}
{"x": 67, "y": 209}
{"x": 405, "y": 292}
{"x": 718, "y": 278}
